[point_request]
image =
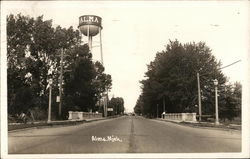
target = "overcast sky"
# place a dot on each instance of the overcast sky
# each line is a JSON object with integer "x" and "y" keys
{"x": 134, "y": 31}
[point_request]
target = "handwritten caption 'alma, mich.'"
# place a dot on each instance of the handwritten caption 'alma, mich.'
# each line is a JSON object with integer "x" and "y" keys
{"x": 110, "y": 138}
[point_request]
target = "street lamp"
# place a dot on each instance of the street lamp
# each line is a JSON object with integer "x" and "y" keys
{"x": 50, "y": 92}
{"x": 216, "y": 103}
{"x": 216, "y": 96}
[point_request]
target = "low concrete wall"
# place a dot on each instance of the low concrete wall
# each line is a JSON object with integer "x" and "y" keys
{"x": 83, "y": 115}
{"x": 190, "y": 117}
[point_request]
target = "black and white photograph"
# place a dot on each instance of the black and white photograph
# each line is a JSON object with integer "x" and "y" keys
{"x": 125, "y": 79}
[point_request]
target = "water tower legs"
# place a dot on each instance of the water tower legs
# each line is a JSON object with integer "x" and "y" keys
{"x": 90, "y": 43}
{"x": 100, "y": 32}
{"x": 89, "y": 39}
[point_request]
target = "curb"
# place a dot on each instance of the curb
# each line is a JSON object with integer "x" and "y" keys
{"x": 58, "y": 124}
{"x": 62, "y": 124}
{"x": 197, "y": 126}
{"x": 48, "y": 125}
{"x": 17, "y": 130}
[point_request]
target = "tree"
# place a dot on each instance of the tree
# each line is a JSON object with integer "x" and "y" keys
{"x": 171, "y": 79}
{"x": 18, "y": 38}
{"x": 33, "y": 56}
{"x": 85, "y": 82}
{"x": 230, "y": 106}
{"x": 237, "y": 94}
{"x": 138, "y": 107}
{"x": 32, "y": 45}
{"x": 102, "y": 81}
{"x": 117, "y": 104}
{"x": 79, "y": 91}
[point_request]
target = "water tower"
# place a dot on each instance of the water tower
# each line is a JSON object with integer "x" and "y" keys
{"x": 91, "y": 25}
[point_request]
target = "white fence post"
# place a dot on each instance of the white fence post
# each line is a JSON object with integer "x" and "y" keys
{"x": 70, "y": 115}
{"x": 80, "y": 115}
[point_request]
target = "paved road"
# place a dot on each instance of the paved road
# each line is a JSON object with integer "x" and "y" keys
{"x": 130, "y": 134}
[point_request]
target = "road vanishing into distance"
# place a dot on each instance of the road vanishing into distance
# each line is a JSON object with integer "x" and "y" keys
{"x": 127, "y": 134}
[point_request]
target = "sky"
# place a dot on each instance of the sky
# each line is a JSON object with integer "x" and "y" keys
{"x": 134, "y": 31}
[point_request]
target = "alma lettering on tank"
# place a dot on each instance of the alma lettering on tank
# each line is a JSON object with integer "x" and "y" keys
{"x": 90, "y": 19}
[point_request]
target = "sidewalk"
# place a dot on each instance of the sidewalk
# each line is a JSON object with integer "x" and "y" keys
{"x": 210, "y": 125}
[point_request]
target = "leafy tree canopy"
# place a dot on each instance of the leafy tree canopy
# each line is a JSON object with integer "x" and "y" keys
{"x": 34, "y": 47}
{"x": 117, "y": 104}
{"x": 172, "y": 79}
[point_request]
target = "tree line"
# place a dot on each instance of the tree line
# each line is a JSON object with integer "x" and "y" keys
{"x": 117, "y": 104}
{"x": 33, "y": 57}
{"x": 171, "y": 81}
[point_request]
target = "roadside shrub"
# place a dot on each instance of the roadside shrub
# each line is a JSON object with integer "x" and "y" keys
{"x": 38, "y": 113}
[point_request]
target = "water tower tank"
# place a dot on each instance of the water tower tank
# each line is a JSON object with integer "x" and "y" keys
{"x": 90, "y": 25}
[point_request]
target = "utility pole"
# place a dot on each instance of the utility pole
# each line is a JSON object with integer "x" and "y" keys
{"x": 50, "y": 93}
{"x": 60, "y": 87}
{"x": 199, "y": 95}
{"x": 216, "y": 94}
{"x": 157, "y": 111}
{"x": 199, "y": 91}
{"x": 163, "y": 104}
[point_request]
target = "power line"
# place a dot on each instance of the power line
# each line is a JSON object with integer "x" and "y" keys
{"x": 222, "y": 67}
{"x": 229, "y": 65}
{"x": 199, "y": 91}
